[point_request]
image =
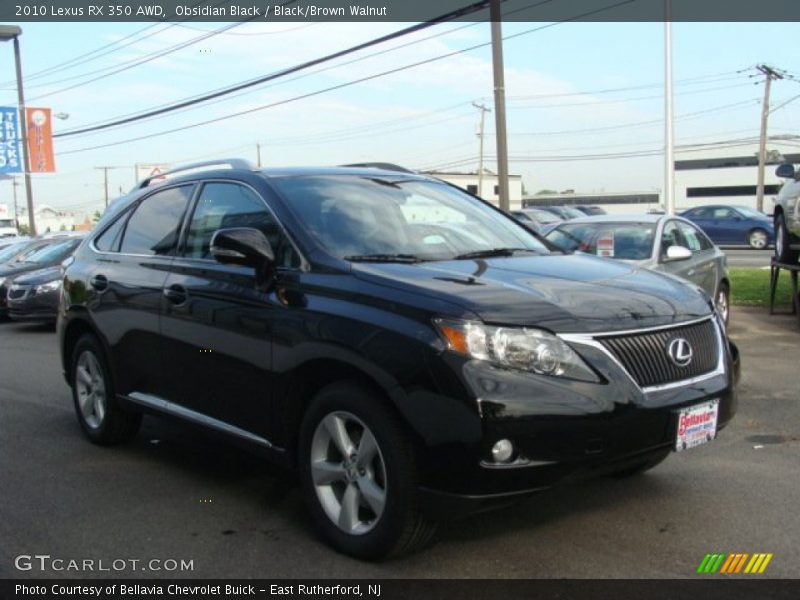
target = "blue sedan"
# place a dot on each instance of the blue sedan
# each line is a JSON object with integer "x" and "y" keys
{"x": 733, "y": 225}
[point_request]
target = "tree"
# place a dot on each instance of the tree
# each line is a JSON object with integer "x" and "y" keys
{"x": 545, "y": 192}
{"x": 23, "y": 229}
{"x": 96, "y": 216}
{"x": 63, "y": 227}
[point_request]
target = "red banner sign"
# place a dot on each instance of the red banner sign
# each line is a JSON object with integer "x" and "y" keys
{"x": 40, "y": 140}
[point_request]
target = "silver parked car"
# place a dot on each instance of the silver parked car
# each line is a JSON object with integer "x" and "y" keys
{"x": 659, "y": 242}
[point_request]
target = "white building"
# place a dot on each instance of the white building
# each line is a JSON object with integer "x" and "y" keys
{"x": 490, "y": 187}
{"x": 703, "y": 175}
{"x": 48, "y": 219}
{"x": 729, "y": 175}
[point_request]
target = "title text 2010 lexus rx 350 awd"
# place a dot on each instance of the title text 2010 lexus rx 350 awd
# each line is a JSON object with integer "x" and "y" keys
{"x": 407, "y": 347}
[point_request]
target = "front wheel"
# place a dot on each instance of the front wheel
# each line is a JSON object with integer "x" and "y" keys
{"x": 758, "y": 239}
{"x": 723, "y": 301}
{"x": 358, "y": 474}
{"x": 783, "y": 251}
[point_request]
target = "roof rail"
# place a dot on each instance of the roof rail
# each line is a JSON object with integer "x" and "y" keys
{"x": 233, "y": 163}
{"x": 380, "y": 165}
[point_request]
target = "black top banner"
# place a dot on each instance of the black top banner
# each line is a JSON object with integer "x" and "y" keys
{"x": 395, "y": 10}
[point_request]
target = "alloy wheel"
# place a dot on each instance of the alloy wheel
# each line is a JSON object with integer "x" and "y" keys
{"x": 349, "y": 472}
{"x": 722, "y": 305}
{"x": 758, "y": 240}
{"x": 91, "y": 389}
{"x": 779, "y": 239}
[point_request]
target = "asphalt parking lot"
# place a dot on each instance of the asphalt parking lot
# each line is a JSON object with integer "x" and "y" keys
{"x": 175, "y": 494}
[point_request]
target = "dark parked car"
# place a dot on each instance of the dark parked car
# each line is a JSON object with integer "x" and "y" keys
{"x": 590, "y": 210}
{"x": 34, "y": 255}
{"x": 34, "y": 296}
{"x": 536, "y": 219}
{"x": 733, "y": 225}
{"x": 787, "y": 215}
{"x": 406, "y": 375}
{"x": 565, "y": 213}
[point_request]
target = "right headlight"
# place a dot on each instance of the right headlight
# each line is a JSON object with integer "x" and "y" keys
{"x": 520, "y": 348}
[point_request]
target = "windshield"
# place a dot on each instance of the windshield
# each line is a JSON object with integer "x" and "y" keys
{"x": 573, "y": 213}
{"x": 625, "y": 241}
{"x": 355, "y": 217}
{"x": 751, "y": 212}
{"x": 53, "y": 252}
{"x": 9, "y": 252}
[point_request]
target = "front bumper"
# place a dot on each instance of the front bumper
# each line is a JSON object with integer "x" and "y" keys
{"x": 564, "y": 430}
{"x": 33, "y": 306}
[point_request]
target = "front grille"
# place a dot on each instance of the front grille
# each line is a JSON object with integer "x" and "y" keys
{"x": 644, "y": 355}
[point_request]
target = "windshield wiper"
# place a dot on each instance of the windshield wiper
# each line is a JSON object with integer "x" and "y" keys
{"x": 493, "y": 252}
{"x": 399, "y": 258}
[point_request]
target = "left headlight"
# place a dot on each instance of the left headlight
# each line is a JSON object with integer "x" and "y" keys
{"x": 520, "y": 348}
{"x": 50, "y": 286}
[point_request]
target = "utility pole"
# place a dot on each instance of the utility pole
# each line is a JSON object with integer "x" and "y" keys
{"x": 499, "y": 102}
{"x": 769, "y": 74}
{"x": 669, "y": 128}
{"x": 258, "y": 155}
{"x": 105, "y": 180}
{"x": 484, "y": 110}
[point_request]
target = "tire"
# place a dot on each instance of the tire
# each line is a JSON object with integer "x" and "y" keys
{"x": 783, "y": 252}
{"x": 640, "y": 468}
{"x": 380, "y": 488}
{"x": 99, "y": 413}
{"x": 723, "y": 301}
{"x": 758, "y": 239}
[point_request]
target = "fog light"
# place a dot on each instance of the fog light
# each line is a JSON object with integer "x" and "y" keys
{"x": 502, "y": 451}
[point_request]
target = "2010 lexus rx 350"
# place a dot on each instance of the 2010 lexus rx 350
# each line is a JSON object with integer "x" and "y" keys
{"x": 407, "y": 347}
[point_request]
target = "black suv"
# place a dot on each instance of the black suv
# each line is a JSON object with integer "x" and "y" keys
{"x": 408, "y": 348}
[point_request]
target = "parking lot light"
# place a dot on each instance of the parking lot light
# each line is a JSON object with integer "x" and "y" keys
{"x": 12, "y": 32}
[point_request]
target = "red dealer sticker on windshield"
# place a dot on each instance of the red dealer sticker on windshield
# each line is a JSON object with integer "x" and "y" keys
{"x": 605, "y": 244}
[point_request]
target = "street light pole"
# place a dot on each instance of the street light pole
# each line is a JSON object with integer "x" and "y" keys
{"x": 23, "y": 118}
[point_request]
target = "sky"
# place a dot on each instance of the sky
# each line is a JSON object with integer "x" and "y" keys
{"x": 574, "y": 91}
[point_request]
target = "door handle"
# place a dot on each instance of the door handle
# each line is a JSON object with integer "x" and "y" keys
{"x": 99, "y": 282}
{"x": 175, "y": 294}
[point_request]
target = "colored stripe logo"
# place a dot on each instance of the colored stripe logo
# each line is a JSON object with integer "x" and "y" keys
{"x": 734, "y": 563}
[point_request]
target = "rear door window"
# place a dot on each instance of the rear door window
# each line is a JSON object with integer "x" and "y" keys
{"x": 154, "y": 227}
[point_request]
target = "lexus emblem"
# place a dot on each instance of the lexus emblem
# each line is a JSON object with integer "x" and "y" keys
{"x": 680, "y": 352}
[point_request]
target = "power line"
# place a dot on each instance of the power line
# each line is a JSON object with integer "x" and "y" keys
{"x": 88, "y": 56}
{"x": 343, "y": 85}
{"x": 481, "y": 5}
{"x": 132, "y": 63}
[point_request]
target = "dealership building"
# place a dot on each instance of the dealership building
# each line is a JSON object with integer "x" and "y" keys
{"x": 721, "y": 175}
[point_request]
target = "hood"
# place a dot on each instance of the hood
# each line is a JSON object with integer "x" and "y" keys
{"x": 565, "y": 294}
{"x": 39, "y": 276}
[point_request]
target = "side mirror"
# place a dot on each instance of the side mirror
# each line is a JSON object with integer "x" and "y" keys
{"x": 244, "y": 246}
{"x": 785, "y": 171}
{"x": 677, "y": 253}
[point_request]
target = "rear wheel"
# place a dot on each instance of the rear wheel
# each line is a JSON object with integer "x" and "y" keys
{"x": 758, "y": 239}
{"x": 99, "y": 413}
{"x": 783, "y": 251}
{"x": 358, "y": 473}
